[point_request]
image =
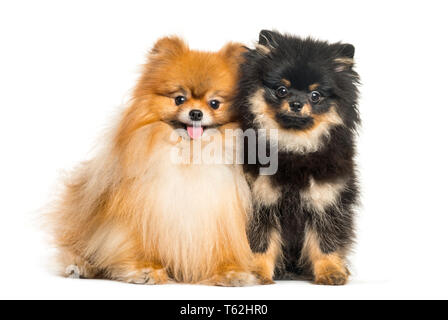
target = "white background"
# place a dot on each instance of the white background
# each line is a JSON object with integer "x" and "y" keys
{"x": 67, "y": 67}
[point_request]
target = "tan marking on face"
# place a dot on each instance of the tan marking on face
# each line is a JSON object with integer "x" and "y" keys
{"x": 314, "y": 86}
{"x": 301, "y": 141}
{"x": 260, "y": 108}
{"x": 285, "y": 107}
{"x": 286, "y": 82}
{"x": 323, "y": 122}
{"x": 307, "y": 110}
{"x": 321, "y": 195}
{"x": 328, "y": 269}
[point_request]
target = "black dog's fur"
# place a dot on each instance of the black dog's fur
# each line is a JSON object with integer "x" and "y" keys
{"x": 303, "y": 62}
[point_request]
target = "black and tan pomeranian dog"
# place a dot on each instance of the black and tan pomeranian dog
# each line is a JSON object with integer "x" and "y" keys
{"x": 301, "y": 96}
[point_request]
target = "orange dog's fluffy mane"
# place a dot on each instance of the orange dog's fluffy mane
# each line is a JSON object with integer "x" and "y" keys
{"x": 131, "y": 208}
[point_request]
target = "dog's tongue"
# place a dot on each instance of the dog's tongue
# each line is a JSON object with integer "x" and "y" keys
{"x": 195, "y": 132}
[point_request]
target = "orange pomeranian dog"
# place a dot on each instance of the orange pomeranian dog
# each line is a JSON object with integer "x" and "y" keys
{"x": 133, "y": 214}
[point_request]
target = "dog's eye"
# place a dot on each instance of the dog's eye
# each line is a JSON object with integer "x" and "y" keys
{"x": 315, "y": 96}
{"x": 180, "y": 100}
{"x": 214, "y": 104}
{"x": 281, "y": 92}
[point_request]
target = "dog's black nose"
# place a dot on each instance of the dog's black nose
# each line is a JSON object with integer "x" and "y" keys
{"x": 296, "y": 106}
{"x": 196, "y": 115}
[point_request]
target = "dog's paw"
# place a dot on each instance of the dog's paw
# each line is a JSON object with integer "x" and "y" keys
{"x": 266, "y": 281}
{"x": 264, "y": 278}
{"x": 158, "y": 276}
{"x": 148, "y": 276}
{"x": 234, "y": 279}
{"x": 72, "y": 271}
{"x": 332, "y": 275}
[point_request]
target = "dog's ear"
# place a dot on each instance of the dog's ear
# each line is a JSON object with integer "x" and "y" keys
{"x": 268, "y": 39}
{"x": 169, "y": 46}
{"x": 348, "y": 50}
{"x": 344, "y": 57}
{"x": 267, "y": 42}
{"x": 233, "y": 52}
